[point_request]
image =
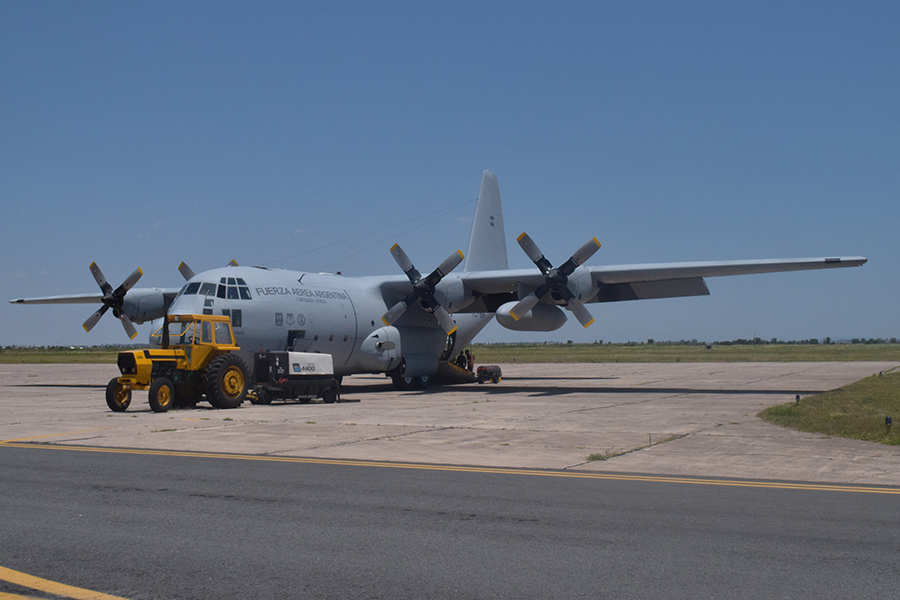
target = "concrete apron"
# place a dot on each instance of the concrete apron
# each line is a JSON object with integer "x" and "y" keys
{"x": 694, "y": 419}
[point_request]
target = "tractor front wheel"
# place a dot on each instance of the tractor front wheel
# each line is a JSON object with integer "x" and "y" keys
{"x": 117, "y": 397}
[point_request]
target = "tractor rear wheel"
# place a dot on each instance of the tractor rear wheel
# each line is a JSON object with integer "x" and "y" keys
{"x": 225, "y": 381}
{"x": 117, "y": 397}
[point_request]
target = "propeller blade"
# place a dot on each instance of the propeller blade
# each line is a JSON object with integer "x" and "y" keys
{"x": 128, "y": 283}
{"x": 450, "y": 263}
{"x": 405, "y": 264}
{"x": 445, "y": 320}
{"x": 100, "y": 279}
{"x": 186, "y": 271}
{"x": 395, "y": 312}
{"x": 94, "y": 318}
{"x": 129, "y": 327}
{"x": 581, "y": 313}
{"x": 525, "y": 304}
{"x": 580, "y": 256}
{"x": 585, "y": 252}
{"x": 232, "y": 263}
{"x": 534, "y": 253}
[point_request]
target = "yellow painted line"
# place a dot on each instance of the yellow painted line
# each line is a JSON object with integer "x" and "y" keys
{"x": 51, "y": 587}
{"x": 828, "y": 487}
{"x": 5, "y": 596}
{"x": 38, "y": 437}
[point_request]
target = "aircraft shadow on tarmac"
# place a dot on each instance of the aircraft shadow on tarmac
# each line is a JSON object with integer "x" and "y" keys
{"x": 513, "y": 385}
{"x": 559, "y": 387}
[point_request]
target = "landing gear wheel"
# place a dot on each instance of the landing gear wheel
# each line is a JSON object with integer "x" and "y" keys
{"x": 225, "y": 381}
{"x": 162, "y": 394}
{"x": 401, "y": 383}
{"x": 117, "y": 397}
{"x": 421, "y": 382}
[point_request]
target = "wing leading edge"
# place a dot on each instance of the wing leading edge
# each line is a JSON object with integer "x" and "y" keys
{"x": 640, "y": 282}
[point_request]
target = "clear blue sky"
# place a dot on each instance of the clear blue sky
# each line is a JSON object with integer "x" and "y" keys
{"x": 144, "y": 134}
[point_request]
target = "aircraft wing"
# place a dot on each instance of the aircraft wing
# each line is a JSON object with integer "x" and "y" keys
{"x": 74, "y": 299}
{"x": 639, "y": 282}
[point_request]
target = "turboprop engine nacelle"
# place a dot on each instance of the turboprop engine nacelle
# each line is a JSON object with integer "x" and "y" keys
{"x": 145, "y": 304}
{"x": 541, "y": 317}
{"x": 381, "y": 349}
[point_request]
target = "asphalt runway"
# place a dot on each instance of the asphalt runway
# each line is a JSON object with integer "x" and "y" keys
{"x": 189, "y": 527}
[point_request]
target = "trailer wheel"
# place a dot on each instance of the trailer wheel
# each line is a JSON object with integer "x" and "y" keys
{"x": 262, "y": 397}
{"x": 225, "y": 381}
{"x": 162, "y": 394}
{"x": 117, "y": 397}
{"x": 329, "y": 396}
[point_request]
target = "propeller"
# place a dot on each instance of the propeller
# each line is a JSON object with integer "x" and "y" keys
{"x": 423, "y": 289}
{"x": 555, "y": 280}
{"x": 113, "y": 299}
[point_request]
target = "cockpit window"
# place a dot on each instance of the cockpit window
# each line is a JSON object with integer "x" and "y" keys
{"x": 235, "y": 289}
{"x": 192, "y": 288}
{"x": 207, "y": 289}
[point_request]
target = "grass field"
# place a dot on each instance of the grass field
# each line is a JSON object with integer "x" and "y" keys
{"x": 589, "y": 353}
{"x": 561, "y": 353}
{"x": 99, "y": 355}
{"x": 855, "y": 411}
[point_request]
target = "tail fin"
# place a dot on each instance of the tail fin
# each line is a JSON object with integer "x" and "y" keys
{"x": 487, "y": 245}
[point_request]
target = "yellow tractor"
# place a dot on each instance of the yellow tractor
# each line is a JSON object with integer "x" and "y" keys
{"x": 196, "y": 356}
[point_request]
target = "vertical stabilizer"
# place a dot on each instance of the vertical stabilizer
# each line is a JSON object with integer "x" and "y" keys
{"x": 487, "y": 245}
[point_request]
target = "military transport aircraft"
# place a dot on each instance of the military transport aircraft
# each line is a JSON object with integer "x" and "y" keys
{"x": 408, "y": 325}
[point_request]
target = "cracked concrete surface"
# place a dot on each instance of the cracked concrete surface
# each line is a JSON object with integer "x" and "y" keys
{"x": 696, "y": 419}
